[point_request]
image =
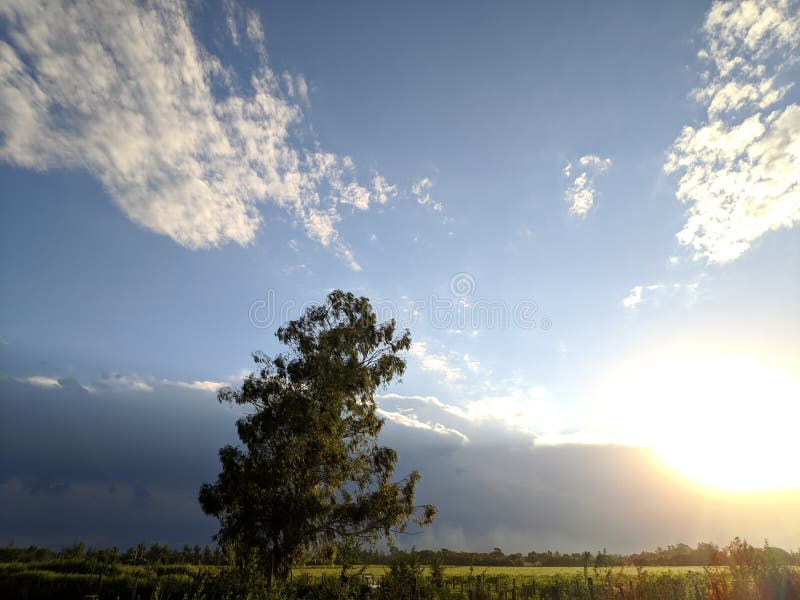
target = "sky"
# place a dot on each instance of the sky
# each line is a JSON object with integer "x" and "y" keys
{"x": 585, "y": 213}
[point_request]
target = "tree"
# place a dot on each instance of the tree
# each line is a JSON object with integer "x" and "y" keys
{"x": 310, "y": 471}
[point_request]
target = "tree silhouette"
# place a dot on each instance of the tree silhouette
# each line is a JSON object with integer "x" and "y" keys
{"x": 310, "y": 471}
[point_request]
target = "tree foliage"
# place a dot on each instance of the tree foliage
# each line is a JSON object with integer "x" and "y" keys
{"x": 310, "y": 470}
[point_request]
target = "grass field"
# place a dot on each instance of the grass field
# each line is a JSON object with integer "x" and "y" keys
{"x": 514, "y": 572}
{"x": 76, "y": 579}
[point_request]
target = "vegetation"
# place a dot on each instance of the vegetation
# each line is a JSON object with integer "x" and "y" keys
{"x": 742, "y": 572}
{"x": 311, "y": 472}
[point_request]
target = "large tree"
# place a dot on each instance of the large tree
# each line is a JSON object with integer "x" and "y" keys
{"x": 310, "y": 470}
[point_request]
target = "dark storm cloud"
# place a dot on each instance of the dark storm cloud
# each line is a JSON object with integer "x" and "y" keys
{"x": 500, "y": 490}
{"x": 120, "y": 467}
{"x": 113, "y": 467}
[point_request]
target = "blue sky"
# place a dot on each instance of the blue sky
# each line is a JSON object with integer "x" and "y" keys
{"x": 586, "y": 215}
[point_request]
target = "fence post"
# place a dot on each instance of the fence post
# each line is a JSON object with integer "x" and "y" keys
{"x": 591, "y": 587}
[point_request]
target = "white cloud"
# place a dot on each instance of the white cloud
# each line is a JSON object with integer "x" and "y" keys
{"x": 435, "y": 362}
{"x": 596, "y": 163}
{"x": 634, "y": 298}
{"x": 42, "y": 381}
{"x": 230, "y": 21}
{"x": 296, "y": 86}
{"x": 118, "y": 382}
{"x": 472, "y": 365}
{"x": 198, "y": 386}
{"x": 524, "y": 409}
{"x": 581, "y": 192}
{"x": 126, "y": 92}
{"x": 254, "y": 30}
{"x": 407, "y": 418}
{"x": 382, "y": 189}
{"x": 528, "y": 410}
{"x": 740, "y": 171}
{"x": 422, "y": 191}
{"x": 672, "y": 291}
{"x": 429, "y": 400}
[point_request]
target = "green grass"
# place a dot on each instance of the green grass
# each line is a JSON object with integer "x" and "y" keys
{"x": 519, "y": 572}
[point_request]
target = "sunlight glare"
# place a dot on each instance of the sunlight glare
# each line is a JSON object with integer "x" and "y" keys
{"x": 726, "y": 422}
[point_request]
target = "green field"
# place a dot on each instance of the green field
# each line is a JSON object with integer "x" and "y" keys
{"x": 513, "y": 572}
{"x": 65, "y": 579}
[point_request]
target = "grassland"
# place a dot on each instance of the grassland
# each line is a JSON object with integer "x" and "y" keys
{"x": 64, "y": 579}
{"x": 514, "y": 572}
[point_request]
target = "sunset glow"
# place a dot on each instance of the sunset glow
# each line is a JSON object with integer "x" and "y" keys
{"x": 724, "y": 421}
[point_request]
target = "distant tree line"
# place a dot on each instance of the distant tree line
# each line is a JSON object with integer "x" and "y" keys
{"x": 672, "y": 556}
{"x": 155, "y": 554}
{"x": 161, "y": 554}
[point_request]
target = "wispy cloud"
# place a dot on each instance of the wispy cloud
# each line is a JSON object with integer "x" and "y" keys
{"x": 638, "y": 293}
{"x": 122, "y": 382}
{"x": 430, "y": 401}
{"x": 528, "y": 410}
{"x": 199, "y": 386}
{"x": 407, "y": 418}
{"x": 383, "y": 190}
{"x": 634, "y": 297}
{"x": 421, "y": 190}
{"x": 125, "y": 91}
{"x": 581, "y": 192}
{"x": 119, "y": 382}
{"x": 435, "y": 362}
{"x": 740, "y": 171}
{"x": 41, "y": 381}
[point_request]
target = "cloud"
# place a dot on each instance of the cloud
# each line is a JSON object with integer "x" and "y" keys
{"x": 119, "y": 382}
{"x": 383, "y": 190}
{"x": 435, "y": 362}
{"x": 428, "y": 400}
{"x": 126, "y": 92}
{"x": 254, "y": 30}
{"x": 422, "y": 191}
{"x": 42, "y": 381}
{"x": 638, "y": 293}
{"x": 200, "y": 386}
{"x": 472, "y": 365}
{"x": 581, "y": 192}
{"x": 296, "y": 86}
{"x": 740, "y": 170}
{"x": 634, "y": 298}
{"x": 407, "y": 418}
{"x": 595, "y": 163}
{"x": 106, "y": 449}
{"x": 527, "y": 410}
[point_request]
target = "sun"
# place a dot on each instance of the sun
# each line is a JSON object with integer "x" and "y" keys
{"x": 725, "y": 421}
